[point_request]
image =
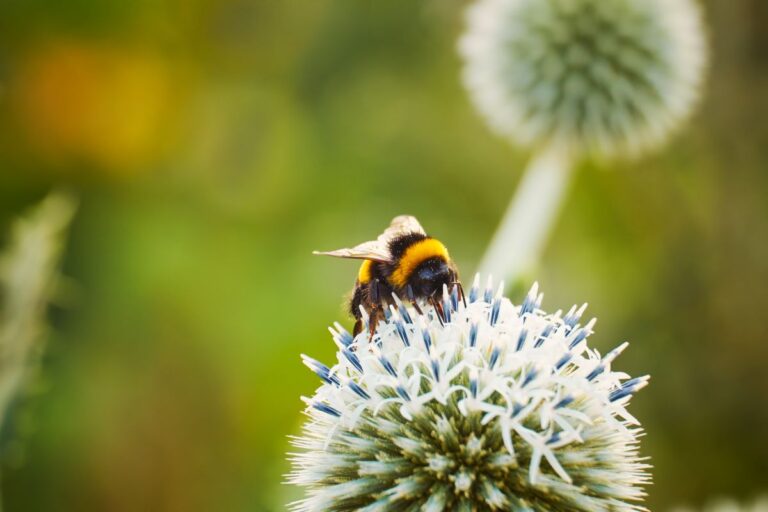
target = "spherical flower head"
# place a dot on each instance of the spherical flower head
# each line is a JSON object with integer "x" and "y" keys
{"x": 473, "y": 404}
{"x": 605, "y": 76}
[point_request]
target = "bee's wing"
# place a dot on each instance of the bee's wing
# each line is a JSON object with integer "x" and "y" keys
{"x": 378, "y": 250}
{"x": 372, "y": 250}
{"x": 400, "y": 225}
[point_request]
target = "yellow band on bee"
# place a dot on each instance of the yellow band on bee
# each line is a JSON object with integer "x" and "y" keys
{"x": 364, "y": 274}
{"x": 414, "y": 256}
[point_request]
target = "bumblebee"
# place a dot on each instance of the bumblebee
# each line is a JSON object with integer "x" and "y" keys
{"x": 403, "y": 260}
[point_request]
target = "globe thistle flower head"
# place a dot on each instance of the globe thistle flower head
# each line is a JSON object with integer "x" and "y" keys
{"x": 476, "y": 404}
{"x": 606, "y": 76}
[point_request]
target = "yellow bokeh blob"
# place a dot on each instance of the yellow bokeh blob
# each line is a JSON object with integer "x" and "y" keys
{"x": 106, "y": 106}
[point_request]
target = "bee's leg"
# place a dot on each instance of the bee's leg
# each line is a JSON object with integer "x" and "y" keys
{"x": 412, "y": 299}
{"x": 357, "y": 309}
{"x": 377, "y": 311}
{"x": 375, "y": 293}
{"x": 373, "y": 322}
{"x": 358, "y": 327}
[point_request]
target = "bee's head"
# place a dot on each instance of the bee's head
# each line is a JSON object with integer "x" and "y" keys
{"x": 430, "y": 276}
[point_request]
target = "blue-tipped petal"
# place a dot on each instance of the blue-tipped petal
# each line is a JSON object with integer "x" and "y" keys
{"x": 581, "y": 334}
{"x": 406, "y": 315}
{"x": 447, "y": 306}
{"x": 600, "y": 368}
{"x": 563, "y": 360}
{"x": 326, "y": 409}
{"x": 341, "y": 335}
{"x": 475, "y": 290}
{"x": 608, "y": 359}
{"x": 455, "y": 297}
{"x": 555, "y": 437}
{"x": 402, "y": 333}
{"x": 544, "y": 335}
{"x": 387, "y": 366}
{"x": 529, "y": 378}
{"x": 521, "y": 340}
{"x": 353, "y": 359}
{"x": 402, "y": 310}
{"x": 354, "y": 386}
{"x": 629, "y": 387}
{"x": 494, "y": 357}
{"x": 488, "y": 295}
{"x": 435, "y": 368}
{"x": 529, "y": 303}
{"x": 473, "y": 334}
{"x": 574, "y": 315}
{"x": 321, "y": 370}
{"x": 425, "y": 336}
{"x": 495, "y": 309}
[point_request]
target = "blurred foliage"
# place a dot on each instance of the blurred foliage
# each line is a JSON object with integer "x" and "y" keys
{"x": 214, "y": 144}
{"x": 29, "y": 281}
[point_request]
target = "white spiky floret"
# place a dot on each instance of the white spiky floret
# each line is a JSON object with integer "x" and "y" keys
{"x": 609, "y": 76}
{"x": 477, "y": 405}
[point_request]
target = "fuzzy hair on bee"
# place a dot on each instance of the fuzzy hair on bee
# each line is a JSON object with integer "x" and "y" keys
{"x": 403, "y": 261}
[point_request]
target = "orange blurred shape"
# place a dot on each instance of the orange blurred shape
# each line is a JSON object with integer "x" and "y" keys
{"x": 101, "y": 105}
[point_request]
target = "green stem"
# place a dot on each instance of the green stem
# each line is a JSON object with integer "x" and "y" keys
{"x": 524, "y": 229}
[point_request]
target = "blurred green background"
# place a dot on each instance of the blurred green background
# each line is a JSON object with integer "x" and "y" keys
{"x": 214, "y": 143}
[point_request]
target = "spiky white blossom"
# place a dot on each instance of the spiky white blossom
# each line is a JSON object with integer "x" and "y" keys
{"x": 611, "y": 76}
{"x": 483, "y": 405}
